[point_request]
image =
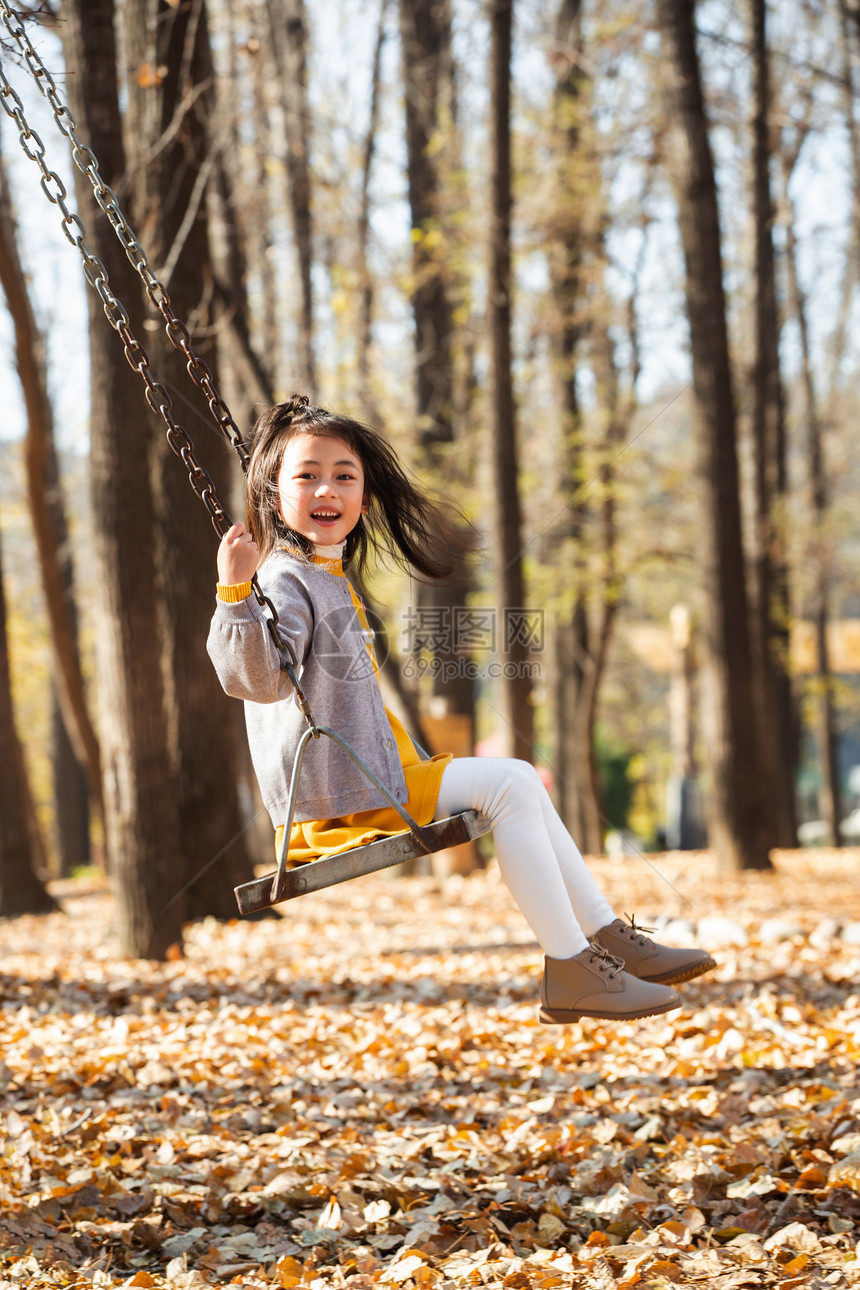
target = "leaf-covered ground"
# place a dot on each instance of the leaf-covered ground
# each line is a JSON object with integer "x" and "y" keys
{"x": 359, "y": 1094}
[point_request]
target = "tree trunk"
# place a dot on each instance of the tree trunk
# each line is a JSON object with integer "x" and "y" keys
{"x": 365, "y": 322}
{"x": 71, "y": 799}
{"x": 739, "y": 814}
{"x": 772, "y": 616}
{"x": 429, "y": 94}
{"x": 230, "y": 276}
{"x": 45, "y": 502}
{"x": 684, "y": 831}
{"x": 21, "y": 851}
{"x": 169, "y": 121}
{"x": 141, "y": 822}
{"x": 517, "y": 712}
{"x": 615, "y": 415}
{"x": 236, "y": 347}
{"x": 577, "y": 784}
{"x": 425, "y": 37}
{"x": 428, "y": 79}
{"x": 247, "y": 376}
{"x": 231, "y": 221}
{"x": 288, "y": 34}
{"x": 830, "y": 794}
{"x": 576, "y": 777}
{"x": 261, "y": 201}
{"x": 848, "y": 15}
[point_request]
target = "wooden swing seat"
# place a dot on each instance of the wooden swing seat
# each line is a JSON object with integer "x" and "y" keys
{"x": 450, "y": 832}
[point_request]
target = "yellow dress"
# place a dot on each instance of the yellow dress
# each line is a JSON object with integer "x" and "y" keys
{"x": 312, "y": 839}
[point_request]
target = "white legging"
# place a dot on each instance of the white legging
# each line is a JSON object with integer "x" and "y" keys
{"x": 539, "y": 860}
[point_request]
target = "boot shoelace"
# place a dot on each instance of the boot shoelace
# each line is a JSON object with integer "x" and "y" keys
{"x": 638, "y": 935}
{"x": 606, "y": 962}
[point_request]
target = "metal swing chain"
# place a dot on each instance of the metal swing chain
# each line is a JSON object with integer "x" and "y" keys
{"x": 86, "y": 161}
{"x": 97, "y": 276}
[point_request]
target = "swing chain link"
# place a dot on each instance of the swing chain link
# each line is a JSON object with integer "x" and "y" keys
{"x": 87, "y": 162}
{"x": 96, "y": 275}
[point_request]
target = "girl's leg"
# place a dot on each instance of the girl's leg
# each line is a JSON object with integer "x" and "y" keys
{"x": 640, "y": 954}
{"x": 579, "y": 979}
{"x": 539, "y": 861}
{"x": 591, "y": 907}
{"x": 546, "y": 874}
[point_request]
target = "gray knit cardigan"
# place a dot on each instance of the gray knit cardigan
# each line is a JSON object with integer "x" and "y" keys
{"x": 316, "y": 610}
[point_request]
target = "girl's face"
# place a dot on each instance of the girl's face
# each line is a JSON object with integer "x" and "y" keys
{"x": 321, "y": 486}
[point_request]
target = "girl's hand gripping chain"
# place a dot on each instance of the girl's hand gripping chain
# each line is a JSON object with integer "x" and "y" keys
{"x": 237, "y": 557}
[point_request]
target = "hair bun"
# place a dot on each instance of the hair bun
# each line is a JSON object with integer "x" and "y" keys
{"x": 292, "y": 406}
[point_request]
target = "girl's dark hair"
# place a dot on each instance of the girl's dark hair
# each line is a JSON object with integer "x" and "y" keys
{"x": 401, "y": 520}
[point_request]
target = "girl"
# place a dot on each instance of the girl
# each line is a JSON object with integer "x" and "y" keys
{"x": 322, "y": 492}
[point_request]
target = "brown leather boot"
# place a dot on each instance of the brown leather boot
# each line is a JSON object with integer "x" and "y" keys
{"x": 594, "y": 984}
{"x": 647, "y": 959}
